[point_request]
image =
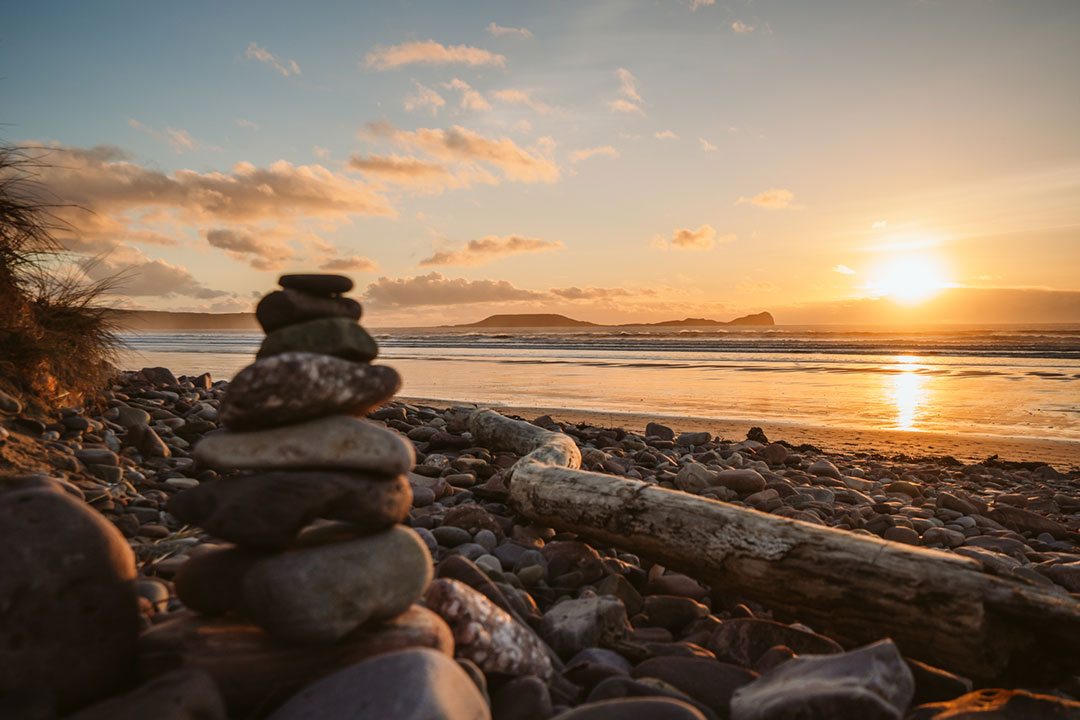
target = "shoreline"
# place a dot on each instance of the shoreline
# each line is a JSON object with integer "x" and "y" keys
{"x": 1062, "y": 454}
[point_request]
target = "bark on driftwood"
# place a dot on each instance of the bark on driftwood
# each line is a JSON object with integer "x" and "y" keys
{"x": 938, "y": 607}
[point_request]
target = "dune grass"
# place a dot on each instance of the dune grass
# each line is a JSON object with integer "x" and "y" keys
{"x": 57, "y": 339}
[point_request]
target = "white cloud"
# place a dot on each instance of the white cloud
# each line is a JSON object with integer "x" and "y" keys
{"x": 706, "y": 145}
{"x": 628, "y": 84}
{"x": 625, "y": 106}
{"x": 430, "y": 52}
{"x": 498, "y": 31}
{"x": 879, "y": 225}
{"x": 436, "y": 289}
{"x": 425, "y": 97}
{"x": 665, "y": 135}
{"x": 470, "y": 98}
{"x": 522, "y": 97}
{"x": 772, "y": 199}
{"x": 586, "y": 153}
{"x": 283, "y": 66}
{"x": 741, "y": 28}
{"x": 695, "y": 4}
{"x": 843, "y": 270}
{"x": 488, "y": 248}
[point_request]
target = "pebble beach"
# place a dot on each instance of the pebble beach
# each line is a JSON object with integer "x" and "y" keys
{"x": 297, "y": 543}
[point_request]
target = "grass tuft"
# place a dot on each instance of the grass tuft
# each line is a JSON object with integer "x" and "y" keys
{"x": 57, "y": 340}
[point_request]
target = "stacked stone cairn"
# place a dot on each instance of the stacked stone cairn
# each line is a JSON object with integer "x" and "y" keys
{"x": 310, "y": 496}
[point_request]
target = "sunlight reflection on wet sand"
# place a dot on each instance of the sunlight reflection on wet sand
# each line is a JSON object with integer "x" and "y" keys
{"x": 909, "y": 392}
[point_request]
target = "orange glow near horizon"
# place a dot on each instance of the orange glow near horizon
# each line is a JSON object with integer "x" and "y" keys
{"x": 910, "y": 279}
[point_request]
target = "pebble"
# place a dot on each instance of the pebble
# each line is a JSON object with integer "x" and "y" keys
{"x": 573, "y": 625}
{"x": 744, "y": 640}
{"x": 485, "y": 633}
{"x": 297, "y": 386}
{"x": 317, "y": 284}
{"x": 67, "y": 590}
{"x": 415, "y": 684}
{"x": 335, "y": 442}
{"x": 340, "y": 337}
{"x": 267, "y": 510}
{"x": 290, "y": 306}
{"x": 9, "y": 405}
{"x": 321, "y": 594}
{"x": 872, "y": 682}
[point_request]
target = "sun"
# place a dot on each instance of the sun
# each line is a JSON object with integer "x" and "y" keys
{"x": 910, "y": 279}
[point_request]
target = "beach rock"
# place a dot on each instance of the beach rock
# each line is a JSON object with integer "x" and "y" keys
{"x": 693, "y": 438}
{"x": 340, "y": 337}
{"x": 268, "y": 510}
{"x": 485, "y": 633}
{"x": 159, "y": 376}
{"x": 67, "y": 595}
{"x": 1021, "y": 520}
{"x": 744, "y": 640}
{"x": 255, "y": 673}
{"x": 872, "y": 683}
{"x": 144, "y": 439}
{"x": 741, "y": 481}
{"x": 323, "y": 593}
{"x": 179, "y": 695}
{"x": 317, "y": 283}
{"x": 335, "y": 442}
{"x": 775, "y": 454}
{"x": 297, "y": 386}
{"x": 944, "y": 536}
{"x": 705, "y": 680}
{"x": 661, "y": 431}
{"x": 9, "y": 405}
{"x": 567, "y": 557}
{"x": 823, "y": 468}
{"x": 128, "y": 416}
{"x": 404, "y": 685}
{"x": 902, "y": 534}
{"x": 1067, "y": 575}
{"x": 694, "y": 477}
{"x": 290, "y": 307}
{"x": 573, "y": 625}
{"x": 673, "y": 612}
{"x": 638, "y": 708}
{"x": 212, "y": 582}
{"x": 523, "y": 698}
{"x": 996, "y": 704}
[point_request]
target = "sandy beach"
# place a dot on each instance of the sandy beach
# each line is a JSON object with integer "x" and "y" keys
{"x": 966, "y": 448}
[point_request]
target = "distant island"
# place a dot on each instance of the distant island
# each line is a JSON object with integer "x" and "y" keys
{"x": 162, "y": 320}
{"x": 561, "y": 321}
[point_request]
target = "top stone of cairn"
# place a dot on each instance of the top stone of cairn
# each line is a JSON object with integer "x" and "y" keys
{"x": 317, "y": 284}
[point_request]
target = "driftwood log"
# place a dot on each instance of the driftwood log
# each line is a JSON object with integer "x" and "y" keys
{"x": 939, "y": 608}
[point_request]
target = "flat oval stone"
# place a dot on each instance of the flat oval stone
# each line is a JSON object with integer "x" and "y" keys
{"x": 317, "y": 283}
{"x": 297, "y": 386}
{"x": 321, "y": 594}
{"x": 268, "y": 510}
{"x": 340, "y": 337}
{"x": 337, "y": 442}
{"x": 68, "y": 600}
{"x": 289, "y": 307}
{"x": 415, "y": 684}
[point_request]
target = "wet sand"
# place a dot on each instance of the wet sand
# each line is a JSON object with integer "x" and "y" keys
{"x": 1063, "y": 455}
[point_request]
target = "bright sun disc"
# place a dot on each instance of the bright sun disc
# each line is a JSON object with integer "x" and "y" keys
{"x": 910, "y": 279}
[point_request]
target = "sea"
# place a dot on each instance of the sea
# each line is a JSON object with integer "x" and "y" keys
{"x": 998, "y": 381}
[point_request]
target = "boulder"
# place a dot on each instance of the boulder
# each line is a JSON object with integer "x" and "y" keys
{"x": 340, "y": 337}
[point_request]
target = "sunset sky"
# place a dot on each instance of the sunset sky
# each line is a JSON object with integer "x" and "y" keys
{"x": 612, "y": 161}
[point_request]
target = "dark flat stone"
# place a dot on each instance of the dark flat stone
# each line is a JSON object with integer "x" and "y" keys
{"x": 317, "y": 284}
{"x": 289, "y": 307}
{"x": 340, "y": 337}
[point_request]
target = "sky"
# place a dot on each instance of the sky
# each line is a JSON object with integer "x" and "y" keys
{"x": 611, "y": 161}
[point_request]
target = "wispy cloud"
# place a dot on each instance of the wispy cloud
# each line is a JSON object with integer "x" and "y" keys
{"x": 180, "y": 141}
{"x": 701, "y": 239}
{"x": 424, "y": 97}
{"x": 772, "y": 199}
{"x": 470, "y": 98}
{"x": 436, "y": 289}
{"x": 283, "y": 66}
{"x": 843, "y": 270}
{"x": 879, "y": 225}
{"x": 491, "y": 247}
{"x": 321, "y": 152}
{"x": 498, "y": 31}
{"x": 241, "y": 122}
{"x": 430, "y": 52}
{"x": 706, "y": 145}
{"x": 471, "y": 149}
{"x": 695, "y": 4}
{"x": 630, "y": 102}
{"x": 586, "y": 153}
{"x": 353, "y": 263}
{"x": 522, "y": 97}
{"x": 741, "y": 28}
{"x": 666, "y": 135}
